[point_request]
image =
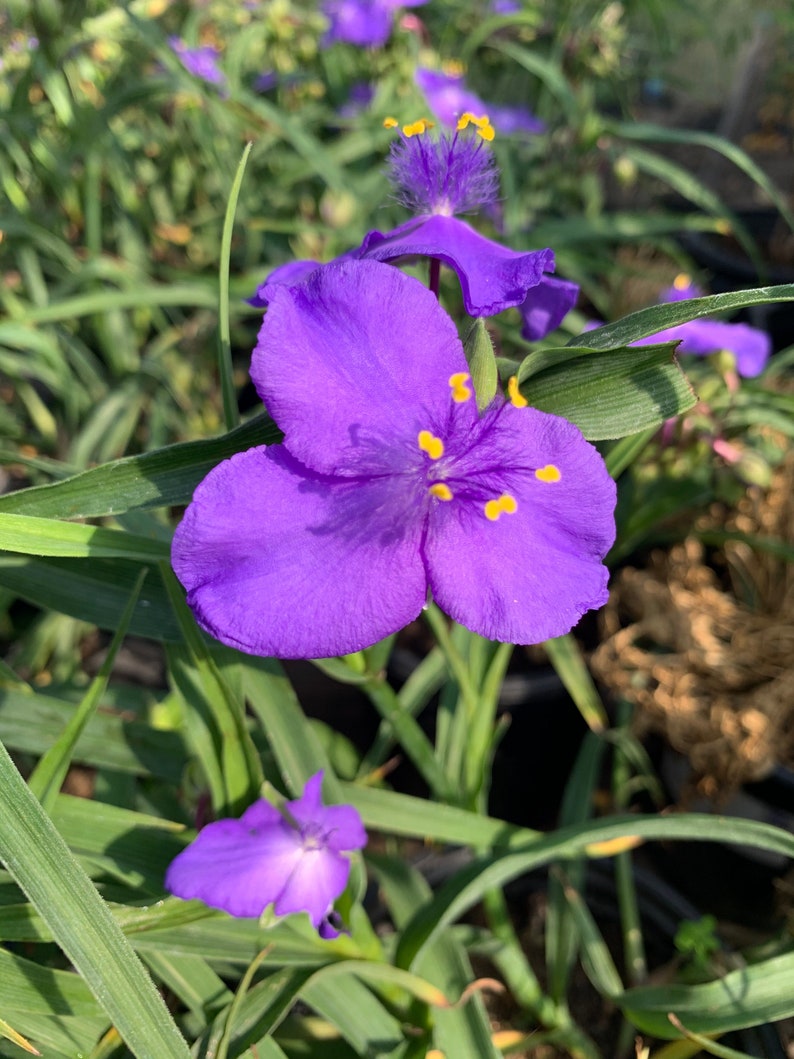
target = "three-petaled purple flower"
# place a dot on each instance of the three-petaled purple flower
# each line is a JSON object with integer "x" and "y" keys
{"x": 294, "y": 861}
{"x": 389, "y": 484}
{"x": 201, "y": 62}
{"x": 438, "y": 177}
{"x": 750, "y": 346}
{"x": 366, "y": 23}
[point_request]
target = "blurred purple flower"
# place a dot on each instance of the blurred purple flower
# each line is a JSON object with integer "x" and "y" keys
{"x": 504, "y": 7}
{"x": 751, "y": 347}
{"x": 448, "y": 97}
{"x": 200, "y": 62}
{"x": 266, "y": 81}
{"x": 359, "y": 98}
{"x": 294, "y": 863}
{"x": 437, "y": 178}
{"x": 389, "y": 484}
{"x": 366, "y": 23}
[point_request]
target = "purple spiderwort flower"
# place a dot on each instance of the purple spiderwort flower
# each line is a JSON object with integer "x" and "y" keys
{"x": 294, "y": 861}
{"x": 366, "y": 23}
{"x": 201, "y": 62}
{"x": 750, "y": 346}
{"x": 449, "y": 98}
{"x": 389, "y": 484}
{"x": 437, "y": 178}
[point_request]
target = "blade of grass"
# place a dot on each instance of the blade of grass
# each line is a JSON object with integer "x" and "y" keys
{"x": 48, "y": 775}
{"x": 225, "y": 366}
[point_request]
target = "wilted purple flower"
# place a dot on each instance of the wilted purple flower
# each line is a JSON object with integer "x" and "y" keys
{"x": 449, "y": 97}
{"x": 366, "y": 23}
{"x": 201, "y": 62}
{"x": 389, "y": 484}
{"x": 438, "y": 177}
{"x": 294, "y": 863}
{"x": 750, "y": 346}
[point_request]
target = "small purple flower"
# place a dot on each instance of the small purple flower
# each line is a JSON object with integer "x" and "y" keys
{"x": 294, "y": 863}
{"x": 750, "y": 346}
{"x": 389, "y": 484}
{"x": 201, "y": 62}
{"x": 366, "y": 23}
{"x": 449, "y": 97}
{"x": 438, "y": 177}
{"x": 504, "y": 7}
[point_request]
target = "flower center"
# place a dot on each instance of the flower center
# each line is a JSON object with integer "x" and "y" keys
{"x": 451, "y": 173}
{"x": 451, "y": 471}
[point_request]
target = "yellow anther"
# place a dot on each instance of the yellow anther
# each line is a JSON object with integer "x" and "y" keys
{"x": 453, "y": 67}
{"x": 503, "y": 505}
{"x": 682, "y": 281}
{"x": 429, "y": 443}
{"x": 515, "y": 395}
{"x": 416, "y": 128}
{"x": 441, "y": 491}
{"x": 390, "y": 123}
{"x": 461, "y": 390}
{"x": 487, "y": 131}
{"x": 549, "y": 473}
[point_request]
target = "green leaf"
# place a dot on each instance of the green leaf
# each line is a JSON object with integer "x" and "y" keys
{"x": 95, "y": 592}
{"x": 32, "y": 722}
{"x": 467, "y": 887}
{"x": 566, "y": 657}
{"x": 608, "y": 395}
{"x": 225, "y": 367}
{"x": 745, "y": 997}
{"x": 42, "y": 865}
{"x": 163, "y": 478}
{"x": 50, "y": 772}
{"x": 659, "y": 317}
{"x": 237, "y": 761}
{"x": 44, "y": 536}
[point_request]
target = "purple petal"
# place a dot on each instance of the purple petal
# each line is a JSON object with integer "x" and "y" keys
{"x": 492, "y": 277}
{"x": 281, "y": 562}
{"x": 287, "y": 275}
{"x": 750, "y": 346}
{"x": 201, "y": 62}
{"x": 230, "y": 868}
{"x": 447, "y": 95}
{"x": 316, "y": 880}
{"x": 508, "y": 120}
{"x": 529, "y": 575}
{"x": 366, "y": 23}
{"x": 340, "y": 825}
{"x": 352, "y": 363}
{"x": 546, "y": 306}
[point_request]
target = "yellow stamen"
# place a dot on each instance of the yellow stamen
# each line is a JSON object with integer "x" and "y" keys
{"x": 487, "y": 131}
{"x": 390, "y": 123}
{"x": 682, "y": 281}
{"x": 429, "y": 443}
{"x": 416, "y": 128}
{"x": 549, "y": 473}
{"x": 441, "y": 491}
{"x": 515, "y": 395}
{"x": 505, "y": 504}
{"x": 453, "y": 67}
{"x": 461, "y": 390}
